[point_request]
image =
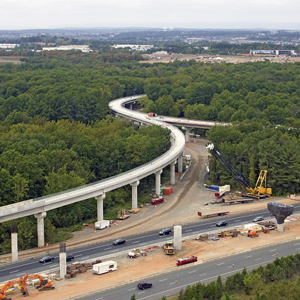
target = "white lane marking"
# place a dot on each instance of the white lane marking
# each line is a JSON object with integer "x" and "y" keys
{"x": 163, "y": 279}
{"x": 273, "y": 250}
{"x": 237, "y": 221}
{"x": 220, "y": 264}
{"x": 135, "y": 242}
{"x": 257, "y": 258}
{"x": 188, "y": 230}
{"x": 172, "y": 283}
{"x": 84, "y": 258}
{"x": 193, "y": 271}
{"x": 99, "y": 298}
{"x": 14, "y": 271}
{"x": 274, "y": 254}
{"x": 143, "y": 244}
{"x": 107, "y": 248}
{"x": 191, "y": 283}
{"x": 297, "y": 244}
{"x": 114, "y": 251}
{"x": 298, "y": 248}
{"x": 212, "y": 226}
{"x": 131, "y": 289}
{"x": 141, "y": 292}
{"x": 78, "y": 255}
{"x": 248, "y": 256}
{"x": 202, "y": 274}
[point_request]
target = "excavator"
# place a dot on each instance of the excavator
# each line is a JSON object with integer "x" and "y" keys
{"x": 259, "y": 191}
{"x": 21, "y": 282}
{"x": 44, "y": 284}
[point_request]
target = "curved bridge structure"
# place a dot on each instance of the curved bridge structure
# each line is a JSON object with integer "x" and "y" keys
{"x": 40, "y": 206}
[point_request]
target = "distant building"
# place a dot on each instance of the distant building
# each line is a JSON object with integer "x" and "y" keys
{"x": 160, "y": 53}
{"x": 82, "y": 48}
{"x": 8, "y": 46}
{"x": 273, "y": 52}
{"x": 133, "y": 47}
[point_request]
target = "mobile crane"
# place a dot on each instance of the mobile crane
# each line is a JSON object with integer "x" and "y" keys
{"x": 259, "y": 191}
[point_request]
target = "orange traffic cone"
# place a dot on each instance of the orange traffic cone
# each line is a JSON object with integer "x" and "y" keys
{"x": 232, "y": 265}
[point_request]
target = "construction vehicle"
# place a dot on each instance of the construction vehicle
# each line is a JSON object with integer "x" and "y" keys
{"x": 122, "y": 214}
{"x": 136, "y": 253}
{"x": 252, "y": 233}
{"x": 259, "y": 191}
{"x": 21, "y": 282}
{"x": 169, "y": 248}
{"x": 44, "y": 284}
{"x": 232, "y": 233}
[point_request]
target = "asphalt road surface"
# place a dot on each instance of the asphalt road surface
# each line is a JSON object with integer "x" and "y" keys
{"x": 171, "y": 283}
{"x": 100, "y": 250}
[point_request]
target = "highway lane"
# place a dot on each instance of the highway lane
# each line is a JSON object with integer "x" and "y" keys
{"x": 142, "y": 240}
{"x": 171, "y": 283}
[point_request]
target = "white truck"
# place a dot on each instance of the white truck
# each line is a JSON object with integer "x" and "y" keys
{"x": 102, "y": 224}
{"x": 105, "y": 267}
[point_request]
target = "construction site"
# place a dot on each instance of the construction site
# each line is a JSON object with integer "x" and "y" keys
{"x": 183, "y": 206}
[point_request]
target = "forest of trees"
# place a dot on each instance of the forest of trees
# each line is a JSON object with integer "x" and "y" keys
{"x": 56, "y": 132}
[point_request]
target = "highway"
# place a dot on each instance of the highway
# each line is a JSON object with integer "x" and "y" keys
{"x": 171, "y": 283}
{"x": 105, "y": 248}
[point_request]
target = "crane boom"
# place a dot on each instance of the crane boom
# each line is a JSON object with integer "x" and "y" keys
{"x": 260, "y": 188}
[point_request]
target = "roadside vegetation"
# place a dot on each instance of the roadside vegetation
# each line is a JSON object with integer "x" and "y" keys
{"x": 56, "y": 132}
{"x": 277, "y": 280}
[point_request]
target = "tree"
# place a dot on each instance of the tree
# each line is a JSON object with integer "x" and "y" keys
{"x": 20, "y": 187}
{"x": 133, "y": 297}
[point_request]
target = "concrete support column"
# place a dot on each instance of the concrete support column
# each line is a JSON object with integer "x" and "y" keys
{"x": 62, "y": 264}
{"x": 134, "y": 186}
{"x": 100, "y": 207}
{"x": 40, "y": 228}
{"x": 14, "y": 246}
{"x": 177, "y": 237}
{"x": 157, "y": 181}
{"x": 172, "y": 172}
{"x": 187, "y": 134}
{"x": 131, "y": 106}
{"x": 180, "y": 163}
{"x": 280, "y": 227}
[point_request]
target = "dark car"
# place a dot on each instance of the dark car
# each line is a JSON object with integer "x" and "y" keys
{"x": 119, "y": 242}
{"x": 70, "y": 257}
{"x": 46, "y": 259}
{"x": 165, "y": 231}
{"x": 257, "y": 219}
{"x": 144, "y": 285}
{"x": 221, "y": 223}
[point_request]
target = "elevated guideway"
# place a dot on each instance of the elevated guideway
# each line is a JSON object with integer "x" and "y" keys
{"x": 39, "y": 206}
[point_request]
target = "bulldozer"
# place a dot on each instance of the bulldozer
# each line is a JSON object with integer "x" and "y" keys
{"x": 122, "y": 214}
{"x": 169, "y": 248}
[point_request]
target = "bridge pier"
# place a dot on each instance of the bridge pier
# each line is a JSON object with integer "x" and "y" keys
{"x": 134, "y": 186}
{"x": 14, "y": 243}
{"x": 157, "y": 181}
{"x": 180, "y": 163}
{"x": 40, "y": 228}
{"x": 172, "y": 172}
{"x": 100, "y": 207}
{"x": 187, "y": 133}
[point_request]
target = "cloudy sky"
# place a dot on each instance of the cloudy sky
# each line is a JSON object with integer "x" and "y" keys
{"x": 38, "y": 14}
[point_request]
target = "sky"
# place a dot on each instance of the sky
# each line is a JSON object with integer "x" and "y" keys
{"x": 223, "y": 14}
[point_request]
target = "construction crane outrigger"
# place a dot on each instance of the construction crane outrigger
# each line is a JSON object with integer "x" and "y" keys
{"x": 259, "y": 191}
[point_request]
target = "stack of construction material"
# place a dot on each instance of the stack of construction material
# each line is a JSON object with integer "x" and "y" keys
{"x": 76, "y": 268}
{"x": 202, "y": 237}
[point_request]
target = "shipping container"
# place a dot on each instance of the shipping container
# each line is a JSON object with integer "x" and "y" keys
{"x": 168, "y": 191}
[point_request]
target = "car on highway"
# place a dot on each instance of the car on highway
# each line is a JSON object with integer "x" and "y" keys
{"x": 70, "y": 257}
{"x": 144, "y": 285}
{"x": 46, "y": 259}
{"x": 119, "y": 242}
{"x": 221, "y": 223}
{"x": 257, "y": 219}
{"x": 165, "y": 231}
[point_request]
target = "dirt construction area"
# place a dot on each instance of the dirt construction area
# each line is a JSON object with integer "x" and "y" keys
{"x": 181, "y": 207}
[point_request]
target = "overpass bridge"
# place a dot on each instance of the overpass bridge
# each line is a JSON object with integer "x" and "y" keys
{"x": 39, "y": 206}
